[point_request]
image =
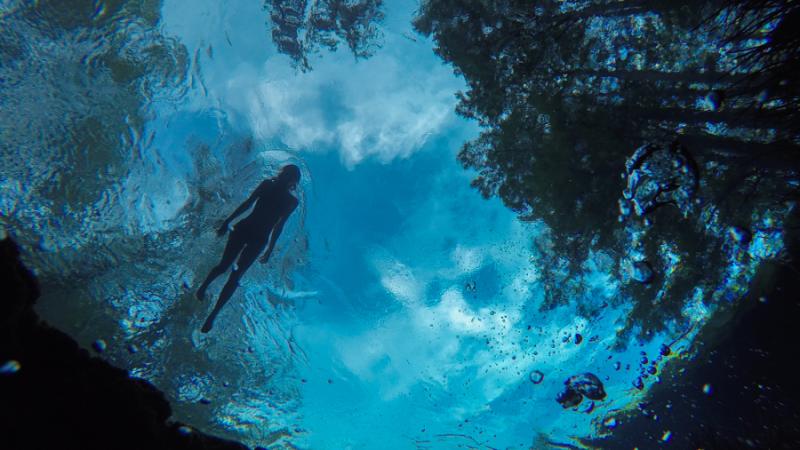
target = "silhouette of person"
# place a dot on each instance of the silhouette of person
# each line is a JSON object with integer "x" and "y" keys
{"x": 274, "y": 203}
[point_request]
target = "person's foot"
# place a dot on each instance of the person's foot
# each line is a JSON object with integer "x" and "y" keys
{"x": 207, "y": 326}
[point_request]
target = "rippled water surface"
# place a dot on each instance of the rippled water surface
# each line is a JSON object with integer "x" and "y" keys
{"x": 400, "y": 309}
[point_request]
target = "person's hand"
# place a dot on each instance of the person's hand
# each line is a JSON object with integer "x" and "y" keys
{"x": 222, "y": 229}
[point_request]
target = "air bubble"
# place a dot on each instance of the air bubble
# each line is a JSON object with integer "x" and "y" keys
{"x": 99, "y": 346}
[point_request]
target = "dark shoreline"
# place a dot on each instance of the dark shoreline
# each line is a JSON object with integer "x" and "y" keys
{"x": 747, "y": 359}
{"x": 56, "y": 395}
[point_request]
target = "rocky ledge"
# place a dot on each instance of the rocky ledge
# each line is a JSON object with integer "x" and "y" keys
{"x": 56, "y": 395}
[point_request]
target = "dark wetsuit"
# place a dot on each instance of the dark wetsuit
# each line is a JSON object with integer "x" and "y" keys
{"x": 273, "y": 205}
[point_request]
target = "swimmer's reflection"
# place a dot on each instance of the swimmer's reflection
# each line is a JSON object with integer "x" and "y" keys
{"x": 274, "y": 203}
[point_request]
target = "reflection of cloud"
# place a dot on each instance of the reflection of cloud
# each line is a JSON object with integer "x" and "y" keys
{"x": 440, "y": 341}
{"x": 440, "y": 337}
{"x": 387, "y": 356}
{"x": 462, "y": 328}
{"x": 398, "y": 280}
{"x": 373, "y": 108}
{"x": 467, "y": 259}
{"x": 458, "y": 316}
{"x": 383, "y": 107}
{"x": 470, "y": 347}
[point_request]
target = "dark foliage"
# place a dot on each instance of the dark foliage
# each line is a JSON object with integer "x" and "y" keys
{"x": 300, "y": 28}
{"x": 566, "y": 91}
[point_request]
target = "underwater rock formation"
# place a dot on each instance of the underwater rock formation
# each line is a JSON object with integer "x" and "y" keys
{"x": 55, "y": 395}
{"x": 579, "y": 386}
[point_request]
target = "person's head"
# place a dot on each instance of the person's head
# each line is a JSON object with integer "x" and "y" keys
{"x": 289, "y": 176}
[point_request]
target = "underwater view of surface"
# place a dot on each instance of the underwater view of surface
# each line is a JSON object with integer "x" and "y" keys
{"x": 510, "y": 221}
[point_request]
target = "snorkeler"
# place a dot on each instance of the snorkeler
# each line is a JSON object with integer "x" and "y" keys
{"x": 274, "y": 203}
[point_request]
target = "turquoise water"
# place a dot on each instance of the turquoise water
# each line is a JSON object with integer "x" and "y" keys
{"x": 401, "y": 309}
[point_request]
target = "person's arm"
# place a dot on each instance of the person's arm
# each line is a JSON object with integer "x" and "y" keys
{"x": 242, "y": 208}
{"x": 276, "y": 232}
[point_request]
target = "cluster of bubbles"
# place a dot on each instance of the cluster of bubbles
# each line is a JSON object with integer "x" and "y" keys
{"x": 657, "y": 176}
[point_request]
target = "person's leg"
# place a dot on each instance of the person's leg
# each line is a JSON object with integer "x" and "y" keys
{"x": 232, "y": 249}
{"x": 247, "y": 258}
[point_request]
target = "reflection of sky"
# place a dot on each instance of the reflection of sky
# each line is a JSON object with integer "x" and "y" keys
{"x": 426, "y": 322}
{"x": 385, "y": 107}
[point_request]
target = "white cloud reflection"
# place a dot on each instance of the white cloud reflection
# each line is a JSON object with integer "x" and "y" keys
{"x": 374, "y": 108}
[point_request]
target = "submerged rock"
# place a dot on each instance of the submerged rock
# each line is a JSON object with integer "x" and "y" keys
{"x": 579, "y": 386}
{"x": 569, "y": 398}
{"x": 588, "y": 384}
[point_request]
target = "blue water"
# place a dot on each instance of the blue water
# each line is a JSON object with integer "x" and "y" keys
{"x": 400, "y": 309}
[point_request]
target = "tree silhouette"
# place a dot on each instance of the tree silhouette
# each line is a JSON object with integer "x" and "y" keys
{"x": 301, "y": 28}
{"x": 567, "y": 91}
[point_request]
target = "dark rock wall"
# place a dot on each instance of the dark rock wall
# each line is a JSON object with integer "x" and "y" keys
{"x": 56, "y": 395}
